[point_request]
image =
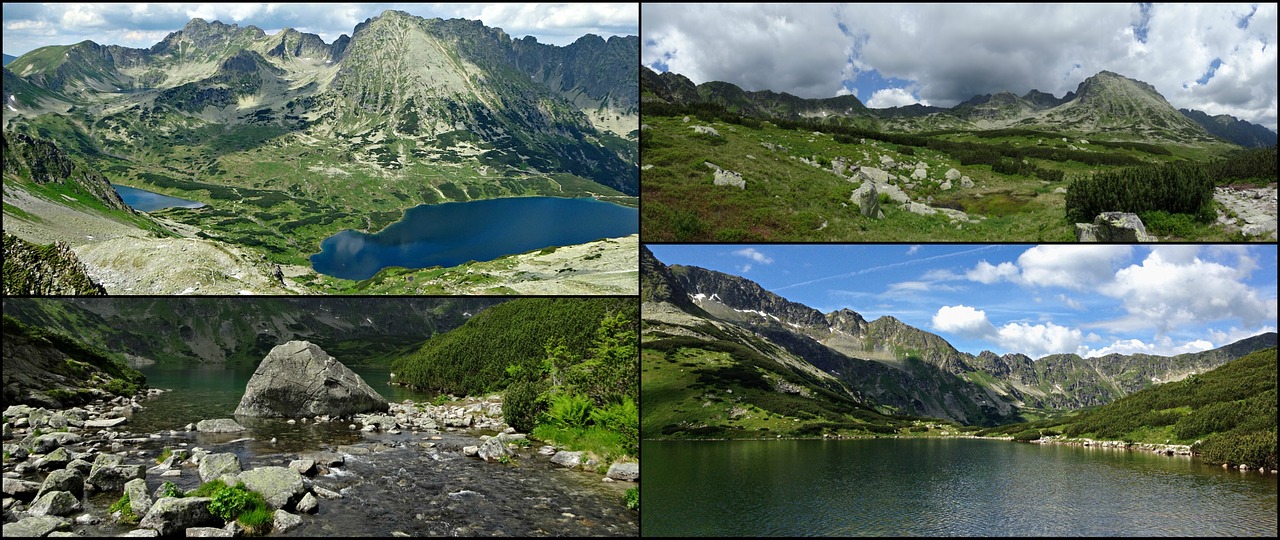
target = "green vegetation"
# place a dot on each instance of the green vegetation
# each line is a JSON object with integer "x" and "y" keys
{"x": 86, "y": 365}
{"x": 1174, "y": 188}
{"x": 632, "y": 498}
{"x": 1229, "y": 414}
{"x": 124, "y": 506}
{"x": 237, "y": 503}
{"x": 169, "y": 489}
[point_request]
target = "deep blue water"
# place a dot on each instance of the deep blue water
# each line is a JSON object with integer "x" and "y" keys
{"x": 148, "y": 201}
{"x": 450, "y": 234}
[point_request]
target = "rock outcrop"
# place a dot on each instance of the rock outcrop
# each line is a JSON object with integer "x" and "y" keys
{"x": 1113, "y": 227}
{"x": 298, "y": 379}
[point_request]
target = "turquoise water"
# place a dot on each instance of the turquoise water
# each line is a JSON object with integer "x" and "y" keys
{"x": 948, "y": 487}
{"x": 149, "y": 201}
{"x": 451, "y": 234}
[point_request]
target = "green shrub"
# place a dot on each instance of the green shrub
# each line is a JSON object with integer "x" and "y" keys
{"x": 169, "y": 489}
{"x": 1176, "y": 188}
{"x": 569, "y": 411}
{"x": 230, "y": 502}
{"x": 522, "y": 404}
{"x": 633, "y": 498}
{"x": 1257, "y": 449}
{"x": 624, "y": 419}
{"x": 125, "y": 507}
{"x": 1027, "y": 435}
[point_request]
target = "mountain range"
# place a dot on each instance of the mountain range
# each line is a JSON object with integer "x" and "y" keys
{"x": 288, "y": 139}
{"x": 883, "y": 364}
{"x": 1107, "y": 104}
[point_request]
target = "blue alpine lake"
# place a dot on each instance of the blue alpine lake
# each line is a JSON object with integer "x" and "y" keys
{"x": 150, "y": 201}
{"x": 943, "y": 487}
{"x": 450, "y": 234}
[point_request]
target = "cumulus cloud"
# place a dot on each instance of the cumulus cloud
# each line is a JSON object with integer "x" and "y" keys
{"x": 1167, "y": 294}
{"x": 962, "y": 50}
{"x": 1161, "y": 347}
{"x": 963, "y": 320}
{"x": 988, "y": 273}
{"x": 1038, "y": 340}
{"x": 754, "y": 255}
{"x": 892, "y": 97}
{"x": 1069, "y": 266}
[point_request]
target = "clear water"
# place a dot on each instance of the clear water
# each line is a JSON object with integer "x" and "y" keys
{"x": 948, "y": 487}
{"x": 450, "y": 234}
{"x": 149, "y": 201}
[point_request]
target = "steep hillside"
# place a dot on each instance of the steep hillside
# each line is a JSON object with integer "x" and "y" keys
{"x": 1233, "y": 129}
{"x": 884, "y": 364}
{"x": 49, "y": 369}
{"x": 217, "y": 330}
{"x": 48, "y": 270}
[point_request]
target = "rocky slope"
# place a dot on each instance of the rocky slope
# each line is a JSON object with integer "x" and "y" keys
{"x": 51, "y": 270}
{"x": 44, "y": 368}
{"x": 888, "y": 363}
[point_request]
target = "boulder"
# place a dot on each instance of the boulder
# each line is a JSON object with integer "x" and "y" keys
{"x": 308, "y": 504}
{"x": 306, "y": 467}
{"x": 966, "y": 182}
{"x": 54, "y": 503}
{"x": 280, "y": 486}
{"x": 868, "y": 200}
{"x": 57, "y": 459}
{"x": 570, "y": 460}
{"x": 213, "y": 466}
{"x": 48, "y": 443}
{"x": 208, "y": 532}
{"x": 81, "y": 466}
{"x": 628, "y": 471}
{"x": 139, "y": 499}
{"x": 919, "y": 174}
{"x": 493, "y": 449}
{"x": 170, "y": 515}
{"x": 887, "y": 162}
{"x": 105, "y": 422}
{"x": 285, "y": 521}
{"x": 706, "y": 130}
{"x": 109, "y": 473}
{"x": 68, "y": 480}
{"x": 35, "y": 526}
{"x": 952, "y": 175}
{"x": 1114, "y": 227}
{"x": 729, "y": 178}
{"x": 219, "y": 425}
{"x": 872, "y": 174}
{"x": 299, "y": 379}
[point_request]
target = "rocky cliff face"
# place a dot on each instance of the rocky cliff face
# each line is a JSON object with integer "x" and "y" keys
{"x": 53, "y": 270}
{"x": 49, "y": 369}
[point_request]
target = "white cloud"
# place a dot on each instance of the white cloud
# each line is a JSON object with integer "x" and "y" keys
{"x": 745, "y": 268}
{"x": 1069, "y": 266}
{"x": 1166, "y": 294}
{"x": 754, "y": 255}
{"x": 1039, "y": 340}
{"x": 913, "y": 250}
{"x": 909, "y": 286}
{"x": 1070, "y": 302}
{"x": 963, "y": 320}
{"x": 892, "y": 97}
{"x": 986, "y": 273}
{"x": 1161, "y": 347}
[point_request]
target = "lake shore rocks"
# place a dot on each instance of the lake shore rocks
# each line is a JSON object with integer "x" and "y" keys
{"x": 299, "y": 379}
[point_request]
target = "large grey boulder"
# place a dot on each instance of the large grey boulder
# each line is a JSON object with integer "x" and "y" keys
{"x": 109, "y": 473}
{"x": 171, "y": 515}
{"x": 493, "y": 449}
{"x": 627, "y": 472}
{"x": 22, "y": 490}
{"x": 298, "y": 379}
{"x": 570, "y": 460}
{"x": 48, "y": 443}
{"x": 1114, "y": 227}
{"x": 57, "y": 459}
{"x": 219, "y": 425}
{"x": 54, "y": 503}
{"x": 139, "y": 499}
{"x": 35, "y": 526}
{"x": 285, "y": 521}
{"x": 69, "y": 480}
{"x": 868, "y": 200}
{"x": 213, "y": 466}
{"x": 280, "y": 486}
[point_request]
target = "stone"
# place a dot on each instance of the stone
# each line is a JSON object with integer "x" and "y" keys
{"x": 139, "y": 499}
{"x": 105, "y": 422}
{"x": 54, "y": 503}
{"x": 917, "y": 208}
{"x": 219, "y": 425}
{"x": 109, "y": 473}
{"x": 280, "y": 486}
{"x": 919, "y": 174}
{"x": 47, "y": 443}
{"x": 208, "y": 532}
{"x": 172, "y": 514}
{"x": 872, "y": 174}
{"x": 299, "y": 379}
{"x": 1061, "y": 190}
{"x": 494, "y": 449}
{"x": 81, "y": 466}
{"x": 308, "y": 504}
{"x": 35, "y": 526}
{"x": 328, "y": 459}
{"x": 285, "y": 521}
{"x": 141, "y": 533}
{"x": 705, "y": 130}
{"x": 57, "y": 459}
{"x": 1114, "y": 227}
{"x": 68, "y": 480}
{"x": 887, "y": 162}
{"x": 729, "y": 178}
{"x": 626, "y": 471}
{"x": 213, "y": 466}
{"x": 326, "y": 493}
{"x": 471, "y": 451}
{"x": 951, "y": 174}
{"x": 381, "y": 421}
{"x": 868, "y": 200}
{"x": 306, "y": 467}
{"x": 966, "y": 182}
{"x": 569, "y": 460}
{"x": 945, "y": 185}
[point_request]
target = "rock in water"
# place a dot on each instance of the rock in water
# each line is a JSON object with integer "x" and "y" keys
{"x": 298, "y": 379}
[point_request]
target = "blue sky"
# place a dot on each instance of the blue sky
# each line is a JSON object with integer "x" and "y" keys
{"x": 28, "y": 26}
{"x": 1218, "y": 58}
{"x": 1036, "y": 300}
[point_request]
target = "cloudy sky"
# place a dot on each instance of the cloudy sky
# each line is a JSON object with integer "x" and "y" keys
{"x": 1036, "y": 300}
{"x": 1219, "y": 58}
{"x": 30, "y": 26}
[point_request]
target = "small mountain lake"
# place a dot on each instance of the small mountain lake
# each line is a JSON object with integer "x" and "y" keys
{"x": 450, "y": 234}
{"x": 943, "y": 487}
{"x": 150, "y": 201}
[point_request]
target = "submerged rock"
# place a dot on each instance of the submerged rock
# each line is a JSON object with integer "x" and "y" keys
{"x": 219, "y": 425}
{"x": 299, "y": 379}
